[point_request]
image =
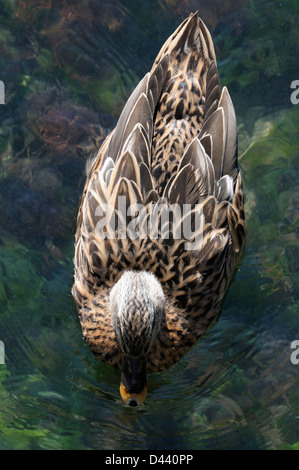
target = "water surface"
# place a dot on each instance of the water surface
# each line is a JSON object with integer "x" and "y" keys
{"x": 68, "y": 69}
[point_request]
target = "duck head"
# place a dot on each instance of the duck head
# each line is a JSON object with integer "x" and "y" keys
{"x": 136, "y": 306}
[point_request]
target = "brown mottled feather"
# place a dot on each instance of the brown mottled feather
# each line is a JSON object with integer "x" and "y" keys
{"x": 175, "y": 141}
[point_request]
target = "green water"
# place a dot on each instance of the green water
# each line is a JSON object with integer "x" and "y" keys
{"x": 68, "y": 68}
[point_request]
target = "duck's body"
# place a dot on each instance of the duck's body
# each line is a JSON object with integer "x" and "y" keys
{"x": 175, "y": 144}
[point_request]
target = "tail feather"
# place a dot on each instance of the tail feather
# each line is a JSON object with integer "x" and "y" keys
{"x": 177, "y": 135}
{"x": 190, "y": 44}
{"x": 181, "y": 108}
{"x": 213, "y": 91}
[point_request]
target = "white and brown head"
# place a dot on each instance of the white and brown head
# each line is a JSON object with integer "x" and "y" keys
{"x": 136, "y": 306}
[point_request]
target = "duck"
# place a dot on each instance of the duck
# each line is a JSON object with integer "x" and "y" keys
{"x": 161, "y": 223}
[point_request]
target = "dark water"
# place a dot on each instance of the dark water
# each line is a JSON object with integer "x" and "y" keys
{"x": 68, "y": 68}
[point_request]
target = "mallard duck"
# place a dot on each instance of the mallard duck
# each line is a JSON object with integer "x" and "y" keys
{"x": 145, "y": 296}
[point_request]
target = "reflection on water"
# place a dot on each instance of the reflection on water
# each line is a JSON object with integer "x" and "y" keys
{"x": 68, "y": 70}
